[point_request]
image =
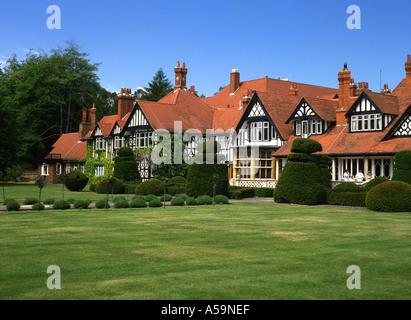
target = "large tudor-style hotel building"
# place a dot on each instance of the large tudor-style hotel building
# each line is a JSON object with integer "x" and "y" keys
{"x": 359, "y": 129}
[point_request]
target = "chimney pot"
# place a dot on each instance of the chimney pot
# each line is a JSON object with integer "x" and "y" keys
{"x": 408, "y": 67}
{"x": 234, "y": 80}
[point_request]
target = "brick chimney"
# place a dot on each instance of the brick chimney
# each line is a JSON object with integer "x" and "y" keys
{"x": 178, "y": 71}
{"x": 293, "y": 89}
{"x": 125, "y": 102}
{"x": 246, "y": 99}
{"x": 344, "y": 80}
{"x": 234, "y": 80}
{"x": 353, "y": 88}
{"x": 408, "y": 67}
{"x": 184, "y": 76}
{"x": 386, "y": 89}
{"x": 88, "y": 121}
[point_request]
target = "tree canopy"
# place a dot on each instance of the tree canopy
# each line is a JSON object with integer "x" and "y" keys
{"x": 159, "y": 87}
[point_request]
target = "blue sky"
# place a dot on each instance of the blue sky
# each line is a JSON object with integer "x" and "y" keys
{"x": 305, "y": 41}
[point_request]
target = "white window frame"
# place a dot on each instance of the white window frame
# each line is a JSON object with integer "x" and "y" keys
{"x": 45, "y": 167}
{"x": 366, "y": 122}
{"x": 59, "y": 168}
{"x": 68, "y": 168}
{"x": 99, "y": 171}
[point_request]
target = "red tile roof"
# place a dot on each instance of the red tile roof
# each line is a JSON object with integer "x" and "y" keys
{"x": 324, "y": 108}
{"x": 69, "y": 147}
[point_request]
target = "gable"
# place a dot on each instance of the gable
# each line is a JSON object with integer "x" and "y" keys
{"x": 303, "y": 111}
{"x": 116, "y": 129}
{"x": 136, "y": 119}
{"x": 362, "y": 105}
{"x": 97, "y": 132}
{"x": 405, "y": 128}
{"x": 256, "y": 111}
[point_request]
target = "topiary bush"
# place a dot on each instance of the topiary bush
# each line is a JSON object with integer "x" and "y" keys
{"x": 374, "y": 182}
{"x": 236, "y": 195}
{"x": 102, "y": 204}
{"x": 204, "y": 200}
{"x": 390, "y": 196}
{"x": 8, "y": 200}
{"x": 166, "y": 197}
{"x": 150, "y": 197}
{"x": 71, "y": 200}
{"x": 182, "y": 195}
{"x": 130, "y": 188}
{"x": 125, "y": 166}
{"x": 61, "y": 205}
{"x": 28, "y": 201}
{"x": 121, "y": 204}
{"x": 75, "y": 180}
{"x": 138, "y": 203}
{"x": 220, "y": 199}
{"x": 37, "y": 206}
{"x": 191, "y": 201}
{"x": 305, "y": 145}
{"x": 200, "y": 179}
{"x": 110, "y": 185}
{"x": 155, "y": 203}
{"x": 12, "y": 205}
{"x": 118, "y": 198}
{"x": 402, "y": 166}
{"x": 49, "y": 201}
{"x": 138, "y": 196}
{"x": 177, "y": 201}
{"x": 152, "y": 186}
{"x": 81, "y": 204}
{"x": 347, "y": 187}
{"x": 176, "y": 185}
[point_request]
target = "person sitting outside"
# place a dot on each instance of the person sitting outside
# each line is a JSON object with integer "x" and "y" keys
{"x": 347, "y": 175}
{"x": 359, "y": 176}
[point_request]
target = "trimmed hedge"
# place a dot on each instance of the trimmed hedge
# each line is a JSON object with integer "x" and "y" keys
{"x": 37, "y": 206}
{"x": 61, "y": 205}
{"x": 109, "y": 185}
{"x": 155, "y": 203}
{"x": 8, "y": 200}
{"x": 71, "y": 200}
{"x": 390, "y": 196}
{"x": 125, "y": 166}
{"x": 220, "y": 199}
{"x": 305, "y": 145}
{"x": 167, "y": 197}
{"x": 12, "y": 205}
{"x": 121, "y": 204}
{"x": 150, "y": 197}
{"x": 204, "y": 200}
{"x": 354, "y": 199}
{"x": 130, "y": 188}
{"x": 49, "y": 201}
{"x": 81, "y": 204}
{"x": 300, "y": 183}
{"x": 118, "y": 198}
{"x": 177, "y": 202}
{"x": 200, "y": 179}
{"x": 138, "y": 203}
{"x": 191, "y": 201}
{"x": 347, "y": 187}
{"x": 236, "y": 195}
{"x": 264, "y": 192}
{"x": 176, "y": 185}
{"x": 31, "y": 200}
{"x": 152, "y": 186}
{"x": 93, "y": 187}
{"x": 402, "y": 166}
{"x": 102, "y": 204}
{"x": 374, "y": 182}
{"x": 182, "y": 195}
{"x": 75, "y": 181}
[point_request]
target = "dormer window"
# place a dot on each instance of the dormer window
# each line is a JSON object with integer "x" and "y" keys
{"x": 260, "y": 131}
{"x": 366, "y": 122}
{"x": 306, "y": 128}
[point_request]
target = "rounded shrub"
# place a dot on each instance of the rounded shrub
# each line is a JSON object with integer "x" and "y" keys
{"x": 49, "y": 201}
{"x": 102, "y": 204}
{"x": 176, "y": 185}
{"x": 166, "y": 197}
{"x": 8, "y": 200}
{"x": 347, "y": 187}
{"x": 118, "y": 198}
{"x": 12, "y": 205}
{"x": 138, "y": 203}
{"x": 182, "y": 195}
{"x": 75, "y": 181}
{"x": 125, "y": 166}
{"x": 110, "y": 185}
{"x": 37, "y": 206}
{"x": 305, "y": 145}
{"x": 155, "y": 203}
{"x": 374, "y": 182}
{"x": 121, "y": 204}
{"x": 390, "y": 196}
{"x": 61, "y": 205}
{"x": 71, "y": 200}
{"x": 150, "y": 197}
{"x": 93, "y": 187}
{"x": 191, "y": 201}
{"x": 220, "y": 199}
{"x": 402, "y": 166}
{"x": 30, "y": 201}
{"x": 200, "y": 179}
{"x": 81, "y": 204}
{"x": 203, "y": 200}
{"x": 138, "y": 196}
{"x": 177, "y": 201}
{"x": 152, "y": 186}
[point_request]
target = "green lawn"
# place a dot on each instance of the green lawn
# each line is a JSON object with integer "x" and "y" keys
{"x": 239, "y": 251}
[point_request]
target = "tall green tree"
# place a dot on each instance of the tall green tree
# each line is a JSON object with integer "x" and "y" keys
{"x": 159, "y": 87}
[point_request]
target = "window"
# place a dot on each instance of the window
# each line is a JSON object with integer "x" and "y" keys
{"x": 366, "y": 122}
{"x": 298, "y": 128}
{"x": 45, "y": 169}
{"x": 260, "y": 131}
{"x": 141, "y": 140}
{"x": 99, "y": 171}
{"x": 82, "y": 168}
{"x": 118, "y": 142}
{"x": 58, "y": 168}
{"x": 68, "y": 168}
{"x": 264, "y": 164}
{"x": 308, "y": 127}
{"x": 100, "y": 144}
